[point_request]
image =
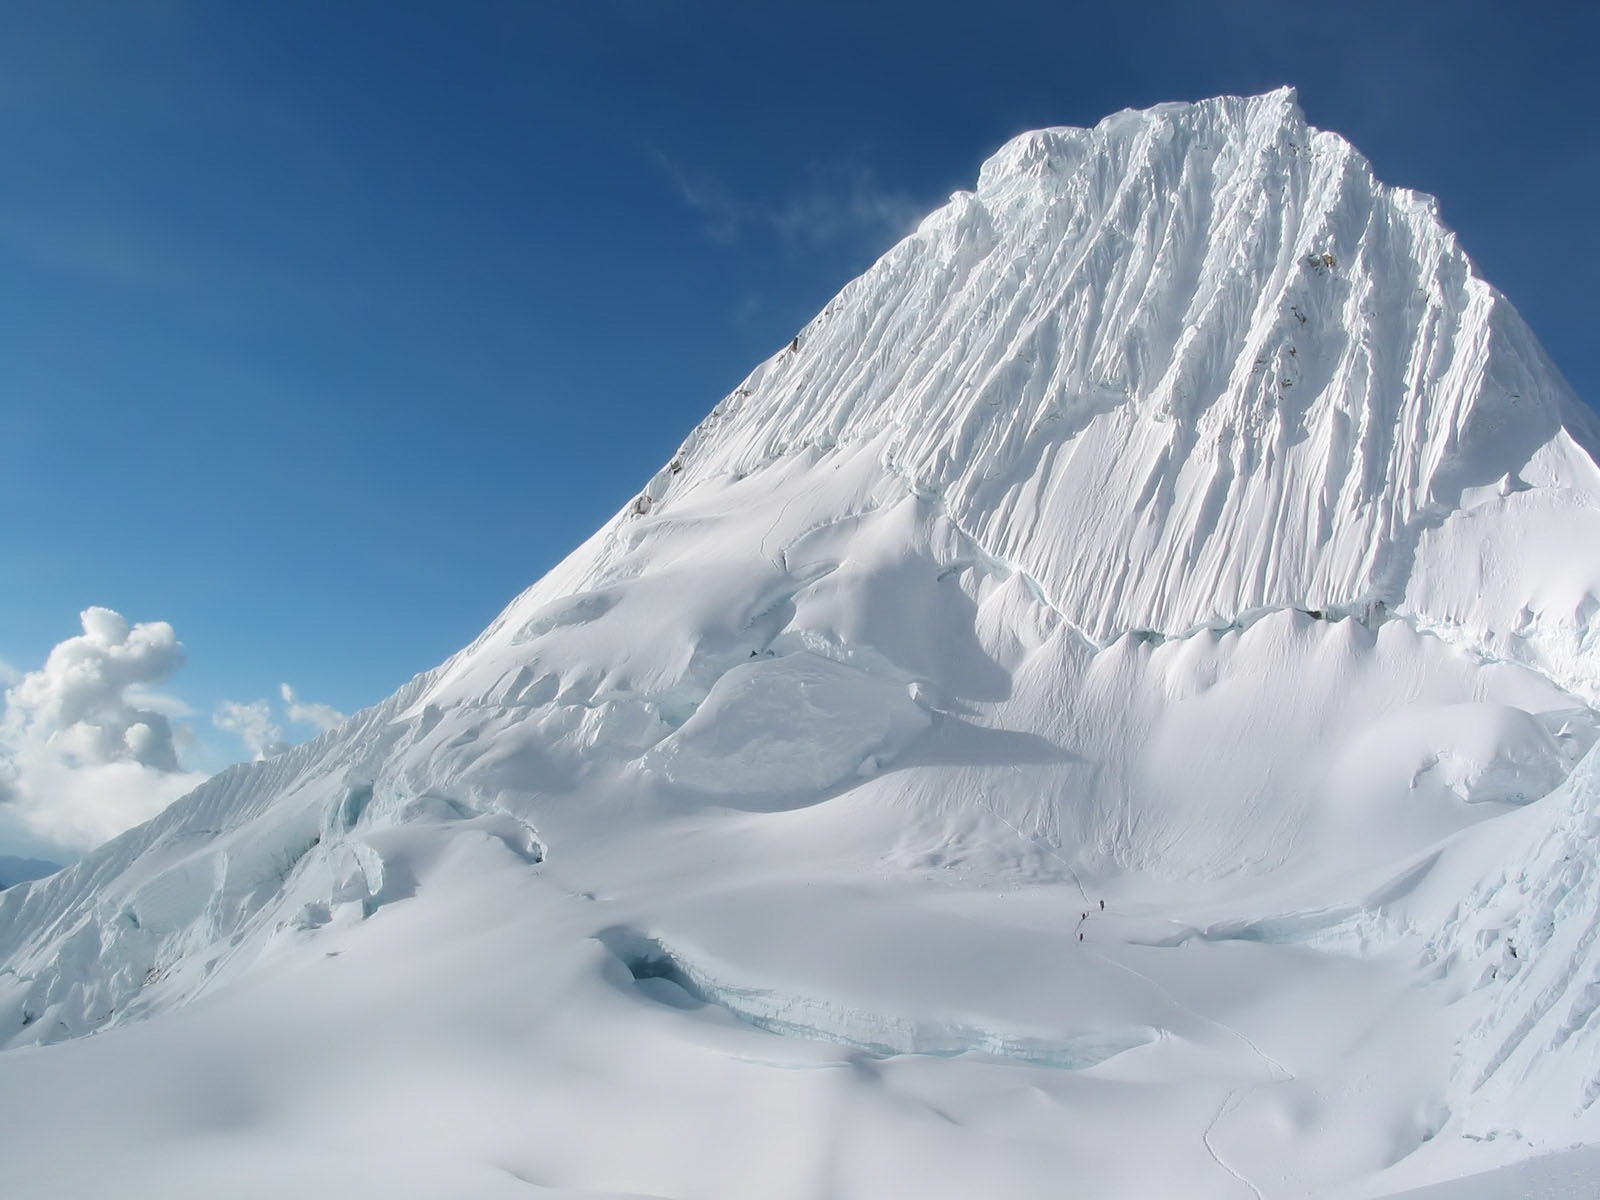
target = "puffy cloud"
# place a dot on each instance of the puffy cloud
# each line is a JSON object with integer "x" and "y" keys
{"x": 254, "y": 724}
{"x": 322, "y": 717}
{"x": 90, "y": 747}
{"x": 86, "y": 748}
{"x": 80, "y": 701}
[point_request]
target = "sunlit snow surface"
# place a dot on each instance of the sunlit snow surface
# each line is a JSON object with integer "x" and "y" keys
{"x": 1175, "y": 522}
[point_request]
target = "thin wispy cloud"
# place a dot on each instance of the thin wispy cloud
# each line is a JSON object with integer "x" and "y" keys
{"x": 841, "y": 203}
{"x": 723, "y": 216}
{"x": 259, "y": 724}
{"x": 321, "y": 717}
{"x": 846, "y": 202}
{"x": 252, "y": 723}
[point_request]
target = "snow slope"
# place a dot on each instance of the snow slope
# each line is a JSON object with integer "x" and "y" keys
{"x": 1111, "y": 702}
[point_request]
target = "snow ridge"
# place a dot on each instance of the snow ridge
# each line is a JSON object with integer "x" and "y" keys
{"x": 1190, "y": 363}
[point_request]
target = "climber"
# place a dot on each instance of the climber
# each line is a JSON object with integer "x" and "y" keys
{"x": 1102, "y": 906}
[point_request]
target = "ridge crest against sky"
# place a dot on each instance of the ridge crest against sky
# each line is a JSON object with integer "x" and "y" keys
{"x": 1183, "y": 368}
{"x": 320, "y": 346}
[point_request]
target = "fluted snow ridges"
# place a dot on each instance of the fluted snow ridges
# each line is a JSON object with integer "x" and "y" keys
{"x": 1190, "y": 363}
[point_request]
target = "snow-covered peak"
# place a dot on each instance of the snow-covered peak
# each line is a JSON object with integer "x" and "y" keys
{"x": 1183, "y": 368}
{"x": 1043, "y": 155}
{"x": 1103, "y": 646}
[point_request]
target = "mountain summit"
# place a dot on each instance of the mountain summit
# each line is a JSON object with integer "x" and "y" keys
{"x": 1188, "y": 364}
{"x": 1079, "y": 695}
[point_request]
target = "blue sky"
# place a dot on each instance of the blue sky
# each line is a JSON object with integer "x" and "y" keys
{"x": 327, "y": 327}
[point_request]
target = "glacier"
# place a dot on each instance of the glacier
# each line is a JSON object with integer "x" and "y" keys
{"x": 1110, "y": 708}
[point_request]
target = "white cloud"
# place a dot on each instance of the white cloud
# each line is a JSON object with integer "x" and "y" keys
{"x": 86, "y": 748}
{"x": 724, "y": 215}
{"x": 79, "y": 699}
{"x": 254, "y": 724}
{"x": 305, "y": 712}
{"x": 159, "y": 702}
{"x": 840, "y": 203}
{"x": 89, "y": 745}
{"x": 844, "y": 203}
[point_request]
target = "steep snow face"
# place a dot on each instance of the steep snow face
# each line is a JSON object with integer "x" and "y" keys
{"x": 1070, "y": 689}
{"x": 1188, "y": 364}
{"x": 1533, "y": 926}
{"x": 1194, "y": 363}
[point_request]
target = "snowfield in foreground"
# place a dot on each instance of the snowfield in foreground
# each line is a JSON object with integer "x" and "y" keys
{"x": 1109, "y": 712}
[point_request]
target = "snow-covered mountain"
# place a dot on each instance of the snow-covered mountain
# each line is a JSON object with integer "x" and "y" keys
{"x": 1111, "y": 701}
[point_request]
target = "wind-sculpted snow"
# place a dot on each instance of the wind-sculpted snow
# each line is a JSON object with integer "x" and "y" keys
{"x": 1124, "y": 675}
{"x": 1189, "y": 363}
{"x": 794, "y": 725}
{"x": 148, "y": 920}
{"x": 1526, "y": 941}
